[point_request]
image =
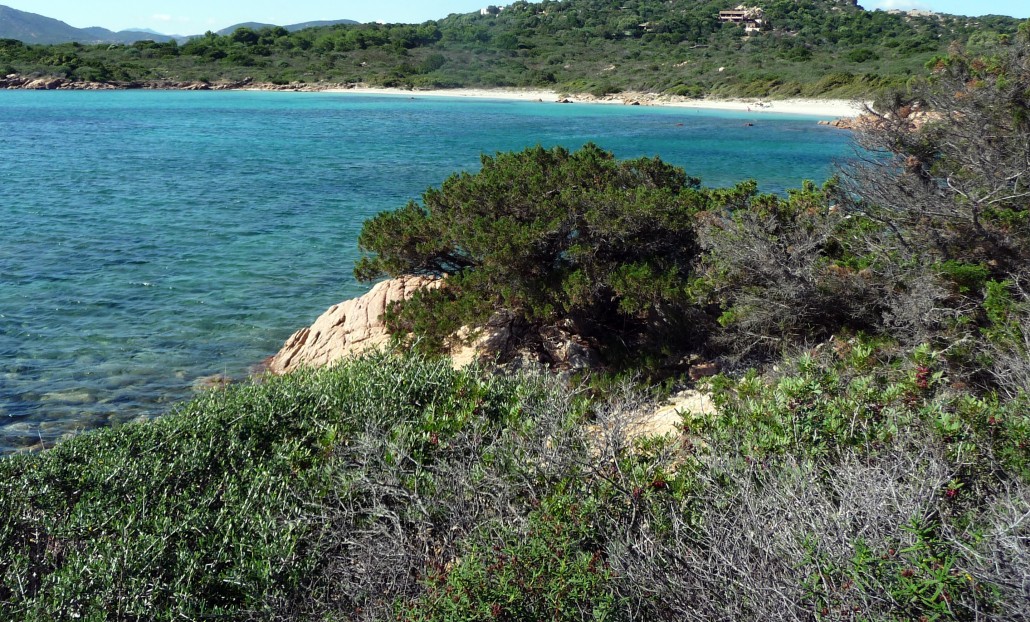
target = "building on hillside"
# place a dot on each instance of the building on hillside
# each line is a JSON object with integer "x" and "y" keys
{"x": 490, "y": 10}
{"x": 751, "y": 18}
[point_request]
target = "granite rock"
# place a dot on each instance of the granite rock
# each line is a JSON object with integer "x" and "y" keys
{"x": 348, "y": 328}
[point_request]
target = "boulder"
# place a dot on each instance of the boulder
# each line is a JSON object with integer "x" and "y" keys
{"x": 565, "y": 349}
{"x": 348, "y": 328}
{"x": 846, "y": 123}
{"x": 354, "y": 326}
{"x": 618, "y": 429}
{"x": 493, "y": 342}
{"x": 215, "y": 382}
{"x": 44, "y": 84}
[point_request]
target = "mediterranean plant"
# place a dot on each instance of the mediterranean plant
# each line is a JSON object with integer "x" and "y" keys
{"x": 556, "y": 238}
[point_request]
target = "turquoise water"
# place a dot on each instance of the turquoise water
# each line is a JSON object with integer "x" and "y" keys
{"x": 150, "y": 239}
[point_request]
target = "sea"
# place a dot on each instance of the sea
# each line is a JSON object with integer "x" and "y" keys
{"x": 151, "y": 241}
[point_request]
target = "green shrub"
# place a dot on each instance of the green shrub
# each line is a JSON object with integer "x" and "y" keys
{"x": 966, "y": 278}
{"x": 551, "y": 237}
{"x": 223, "y": 508}
{"x": 554, "y": 570}
{"x": 862, "y": 55}
{"x": 396, "y": 488}
{"x": 683, "y": 90}
{"x": 859, "y": 395}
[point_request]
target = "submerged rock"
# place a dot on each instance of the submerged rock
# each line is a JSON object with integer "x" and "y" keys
{"x": 214, "y": 382}
{"x": 69, "y": 396}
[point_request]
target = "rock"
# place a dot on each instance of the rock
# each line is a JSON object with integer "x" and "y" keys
{"x": 348, "y": 328}
{"x": 846, "y": 123}
{"x": 214, "y": 382}
{"x": 355, "y": 326}
{"x": 568, "y": 350}
{"x": 909, "y": 118}
{"x": 668, "y": 420}
{"x": 44, "y": 84}
{"x": 703, "y": 370}
{"x": 504, "y": 343}
{"x": 69, "y": 396}
{"x": 672, "y": 420}
{"x": 492, "y": 343}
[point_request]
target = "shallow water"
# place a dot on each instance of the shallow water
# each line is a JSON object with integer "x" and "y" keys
{"x": 150, "y": 239}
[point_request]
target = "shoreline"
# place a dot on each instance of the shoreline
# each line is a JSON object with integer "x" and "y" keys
{"x": 831, "y": 108}
{"x": 827, "y": 108}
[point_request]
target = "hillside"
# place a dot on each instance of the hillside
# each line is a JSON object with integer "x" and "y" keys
{"x": 33, "y": 28}
{"x": 808, "y": 48}
{"x": 39, "y": 29}
{"x": 290, "y": 28}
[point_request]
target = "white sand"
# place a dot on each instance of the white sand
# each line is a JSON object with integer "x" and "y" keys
{"x": 834, "y": 108}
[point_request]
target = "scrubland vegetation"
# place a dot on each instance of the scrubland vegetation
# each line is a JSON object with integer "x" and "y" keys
{"x": 807, "y": 48}
{"x": 869, "y": 459}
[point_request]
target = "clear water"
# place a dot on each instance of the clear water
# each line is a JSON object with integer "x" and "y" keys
{"x": 150, "y": 239}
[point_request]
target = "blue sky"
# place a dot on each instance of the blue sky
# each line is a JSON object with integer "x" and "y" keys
{"x": 196, "y": 16}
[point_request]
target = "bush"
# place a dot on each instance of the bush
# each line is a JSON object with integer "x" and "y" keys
{"x": 862, "y": 55}
{"x": 694, "y": 91}
{"x": 945, "y": 180}
{"x": 554, "y": 238}
{"x": 952, "y": 185}
{"x": 305, "y": 492}
{"x": 781, "y": 270}
{"x": 391, "y": 488}
{"x": 554, "y": 570}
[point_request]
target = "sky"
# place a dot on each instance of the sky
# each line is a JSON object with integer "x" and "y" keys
{"x": 197, "y": 16}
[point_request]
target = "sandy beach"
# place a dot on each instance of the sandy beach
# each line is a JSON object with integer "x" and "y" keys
{"x": 830, "y": 108}
{"x": 826, "y": 108}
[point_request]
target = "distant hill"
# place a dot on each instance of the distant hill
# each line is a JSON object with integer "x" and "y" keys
{"x": 33, "y": 28}
{"x": 103, "y": 35}
{"x": 252, "y": 25}
{"x": 291, "y": 27}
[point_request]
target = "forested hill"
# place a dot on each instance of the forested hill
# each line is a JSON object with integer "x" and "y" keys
{"x": 35, "y": 28}
{"x": 827, "y": 48}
